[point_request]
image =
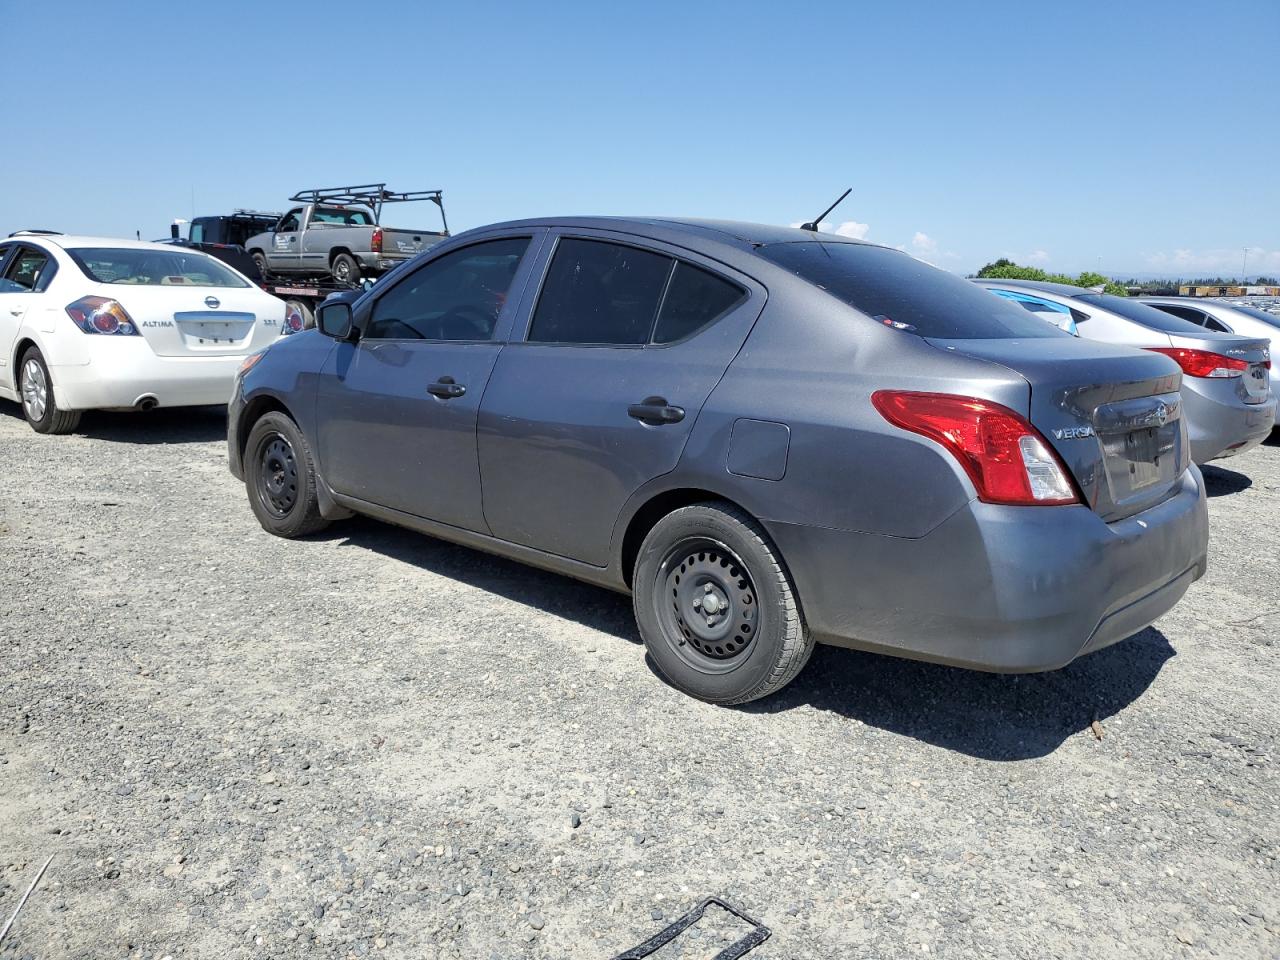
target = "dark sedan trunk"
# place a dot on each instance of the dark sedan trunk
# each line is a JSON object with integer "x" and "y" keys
{"x": 1113, "y": 414}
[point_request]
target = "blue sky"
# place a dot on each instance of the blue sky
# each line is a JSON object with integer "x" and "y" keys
{"x": 1060, "y": 134}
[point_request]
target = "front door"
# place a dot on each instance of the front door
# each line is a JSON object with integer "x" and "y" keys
{"x": 624, "y": 346}
{"x": 397, "y": 409}
{"x": 286, "y": 245}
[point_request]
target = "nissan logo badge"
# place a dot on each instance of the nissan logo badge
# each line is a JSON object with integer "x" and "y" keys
{"x": 213, "y": 303}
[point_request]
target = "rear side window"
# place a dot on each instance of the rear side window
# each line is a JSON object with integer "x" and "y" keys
{"x": 902, "y": 292}
{"x": 1186, "y": 313}
{"x": 455, "y": 297}
{"x": 695, "y": 299}
{"x": 1142, "y": 313}
{"x": 600, "y": 293}
{"x": 28, "y": 270}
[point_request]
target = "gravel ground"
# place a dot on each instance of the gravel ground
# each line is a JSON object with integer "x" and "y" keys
{"x": 376, "y": 744}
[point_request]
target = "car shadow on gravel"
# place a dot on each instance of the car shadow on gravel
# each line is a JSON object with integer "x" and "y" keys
{"x": 565, "y": 597}
{"x": 172, "y": 425}
{"x": 984, "y": 715}
{"x": 1219, "y": 482}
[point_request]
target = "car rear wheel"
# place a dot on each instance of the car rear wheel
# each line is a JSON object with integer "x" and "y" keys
{"x": 345, "y": 269}
{"x": 280, "y": 477}
{"x": 716, "y": 607}
{"x": 39, "y": 404}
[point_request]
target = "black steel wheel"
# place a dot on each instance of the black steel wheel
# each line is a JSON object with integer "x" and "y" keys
{"x": 281, "y": 479}
{"x": 716, "y": 607}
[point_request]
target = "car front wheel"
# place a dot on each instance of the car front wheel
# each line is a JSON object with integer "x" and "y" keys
{"x": 39, "y": 403}
{"x": 715, "y": 606}
{"x": 280, "y": 477}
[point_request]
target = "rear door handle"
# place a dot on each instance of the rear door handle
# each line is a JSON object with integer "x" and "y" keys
{"x": 446, "y": 389}
{"x": 655, "y": 411}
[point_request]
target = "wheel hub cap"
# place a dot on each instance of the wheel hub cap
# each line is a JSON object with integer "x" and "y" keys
{"x": 711, "y": 602}
{"x": 279, "y": 476}
{"x": 35, "y": 390}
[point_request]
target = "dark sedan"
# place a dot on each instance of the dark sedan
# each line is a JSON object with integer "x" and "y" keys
{"x": 769, "y": 437}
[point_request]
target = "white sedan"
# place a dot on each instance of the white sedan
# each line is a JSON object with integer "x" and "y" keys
{"x": 92, "y": 323}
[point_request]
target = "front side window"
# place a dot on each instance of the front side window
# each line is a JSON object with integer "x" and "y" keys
{"x": 902, "y": 292}
{"x": 172, "y": 267}
{"x": 455, "y": 297}
{"x": 290, "y": 223}
{"x": 28, "y": 270}
{"x": 598, "y": 292}
{"x": 695, "y": 298}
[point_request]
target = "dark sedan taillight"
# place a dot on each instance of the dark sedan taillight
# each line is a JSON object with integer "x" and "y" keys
{"x": 1005, "y": 456}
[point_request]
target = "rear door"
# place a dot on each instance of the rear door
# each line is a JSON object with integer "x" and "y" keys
{"x": 624, "y": 343}
{"x": 25, "y": 272}
{"x": 396, "y": 411}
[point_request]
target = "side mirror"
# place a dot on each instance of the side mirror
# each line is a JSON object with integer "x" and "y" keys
{"x": 334, "y": 320}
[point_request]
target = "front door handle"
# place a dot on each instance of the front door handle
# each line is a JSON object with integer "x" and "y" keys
{"x": 655, "y": 411}
{"x": 446, "y": 389}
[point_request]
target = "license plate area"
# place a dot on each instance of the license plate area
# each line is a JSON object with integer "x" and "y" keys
{"x": 214, "y": 331}
{"x": 1256, "y": 386}
{"x": 1143, "y": 458}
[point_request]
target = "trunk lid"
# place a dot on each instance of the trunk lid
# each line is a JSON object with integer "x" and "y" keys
{"x": 1254, "y": 384}
{"x": 198, "y": 321}
{"x": 1113, "y": 414}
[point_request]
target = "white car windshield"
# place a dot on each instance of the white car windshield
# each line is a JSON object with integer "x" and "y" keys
{"x": 153, "y": 268}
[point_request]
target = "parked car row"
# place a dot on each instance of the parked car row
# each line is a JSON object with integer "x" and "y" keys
{"x": 1226, "y": 376}
{"x": 768, "y": 437}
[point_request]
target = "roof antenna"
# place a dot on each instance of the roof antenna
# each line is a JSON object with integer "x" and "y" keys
{"x": 812, "y": 225}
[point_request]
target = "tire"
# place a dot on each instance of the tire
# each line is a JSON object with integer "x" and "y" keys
{"x": 260, "y": 261}
{"x": 750, "y": 640}
{"x": 39, "y": 403}
{"x": 280, "y": 477}
{"x": 345, "y": 268}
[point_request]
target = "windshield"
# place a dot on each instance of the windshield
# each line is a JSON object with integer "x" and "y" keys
{"x": 340, "y": 215}
{"x": 154, "y": 268}
{"x": 1142, "y": 313}
{"x": 905, "y": 293}
{"x": 1258, "y": 314}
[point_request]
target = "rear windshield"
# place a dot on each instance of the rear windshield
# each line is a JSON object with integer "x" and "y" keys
{"x": 1142, "y": 313}
{"x": 1258, "y": 314}
{"x": 902, "y": 292}
{"x": 153, "y": 268}
{"x": 350, "y": 218}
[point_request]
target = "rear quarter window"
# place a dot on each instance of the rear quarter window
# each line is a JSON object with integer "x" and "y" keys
{"x": 898, "y": 290}
{"x": 1142, "y": 313}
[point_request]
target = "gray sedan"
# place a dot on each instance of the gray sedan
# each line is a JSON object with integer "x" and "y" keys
{"x": 770, "y": 438}
{"x": 1225, "y": 378}
{"x": 1227, "y": 316}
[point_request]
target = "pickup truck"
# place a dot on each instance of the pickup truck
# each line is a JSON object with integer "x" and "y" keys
{"x": 336, "y": 232}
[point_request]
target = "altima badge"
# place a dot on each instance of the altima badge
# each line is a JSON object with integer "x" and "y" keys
{"x": 1073, "y": 433}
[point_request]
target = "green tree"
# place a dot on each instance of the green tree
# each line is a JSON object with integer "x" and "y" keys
{"x": 1006, "y": 269}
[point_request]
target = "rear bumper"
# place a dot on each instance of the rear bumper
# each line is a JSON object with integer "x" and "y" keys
{"x": 123, "y": 370}
{"x": 1003, "y": 589}
{"x": 1224, "y": 427}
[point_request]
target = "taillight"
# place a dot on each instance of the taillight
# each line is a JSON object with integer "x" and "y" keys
{"x": 102, "y": 315}
{"x": 375, "y": 242}
{"x": 1005, "y": 456}
{"x": 293, "y": 320}
{"x": 1204, "y": 363}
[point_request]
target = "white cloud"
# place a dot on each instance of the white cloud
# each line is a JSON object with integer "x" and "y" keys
{"x": 923, "y": 243}
{"x": 1219, "y": 262}
{"x": 1038, "y": 256}
{"x": 850, "y": 228}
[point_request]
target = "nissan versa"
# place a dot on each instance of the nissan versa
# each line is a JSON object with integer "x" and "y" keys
{"x": 769, "y": 437}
